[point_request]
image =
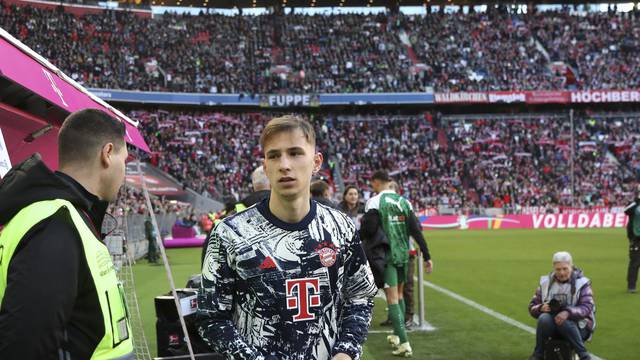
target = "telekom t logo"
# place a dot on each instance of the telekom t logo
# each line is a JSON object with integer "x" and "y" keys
{"x": 54, "y": 86}
{"x": 304, "y": 297}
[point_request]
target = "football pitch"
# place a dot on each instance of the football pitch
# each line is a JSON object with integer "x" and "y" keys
{"x": 477, "y": 296}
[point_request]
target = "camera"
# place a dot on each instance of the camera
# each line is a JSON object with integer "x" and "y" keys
{"x": 555, "y": 306}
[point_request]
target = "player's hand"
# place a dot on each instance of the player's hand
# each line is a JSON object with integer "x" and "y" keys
{"x": 428, "y": 266}
{"x": 545, "y": 308}
{"x": 341, "y": 356}
{"x": 561, "y": 317}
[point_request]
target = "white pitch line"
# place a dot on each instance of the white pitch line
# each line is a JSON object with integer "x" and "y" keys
{"x": 425, "y": 327}
{"x": 482, "y": 308}
{"x": 488, "y": 311}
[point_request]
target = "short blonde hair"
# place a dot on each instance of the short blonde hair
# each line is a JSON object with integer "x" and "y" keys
{"x": 288, "y": 123}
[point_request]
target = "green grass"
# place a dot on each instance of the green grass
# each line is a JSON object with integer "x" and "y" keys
{"x": 498, "y": 269}
{"x": 151, "y": 281}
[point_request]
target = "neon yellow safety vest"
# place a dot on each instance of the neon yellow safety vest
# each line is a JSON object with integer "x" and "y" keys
{"x": 238, "y": 208}
{"x": 117, "y": 342}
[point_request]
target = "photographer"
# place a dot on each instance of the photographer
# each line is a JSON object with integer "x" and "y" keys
{"x": 564, "y": 307}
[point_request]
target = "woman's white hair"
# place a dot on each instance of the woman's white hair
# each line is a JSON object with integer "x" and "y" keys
{"x": 562, "y": 256}
{"x": 259, "y": 179}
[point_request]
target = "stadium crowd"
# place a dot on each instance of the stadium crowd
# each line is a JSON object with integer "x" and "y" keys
{"x": 132, "y": 201}
{"x": 603, "y": 48}
{"x": 479, "y": 52}
{"x": 517, "y": 162}
{"x": 406, "y": 145}
{"x": 393, "y": 52}
{"x": 211, "y": 152}
{"x": 470, "y": 163}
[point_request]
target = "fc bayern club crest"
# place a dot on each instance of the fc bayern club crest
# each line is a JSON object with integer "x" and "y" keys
{"x": 327, "y": 253}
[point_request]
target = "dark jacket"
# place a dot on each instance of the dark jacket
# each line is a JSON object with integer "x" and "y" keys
{"x": 255, "y": 197}
{"x": 371, "y": 222}
{"x": 358, "y": 210}
{"x": 376, "y": 246}
{"x": 630, "y": 211}
{"x": 582, "y": 310}
{"x": 375, "y": 240}
{"x": 325, "y": 201}
{"x": 50, "y": 308}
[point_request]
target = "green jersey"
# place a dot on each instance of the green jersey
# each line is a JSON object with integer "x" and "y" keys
{"x": 636, "y": 221}
{"x": 394, "y": 210}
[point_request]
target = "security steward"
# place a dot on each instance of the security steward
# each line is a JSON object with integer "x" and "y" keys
{"x": 59, "y": 294}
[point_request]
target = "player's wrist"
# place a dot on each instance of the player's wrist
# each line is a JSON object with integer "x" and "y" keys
{"x": 342, "y": 356}
{"x": 338, "y": 349}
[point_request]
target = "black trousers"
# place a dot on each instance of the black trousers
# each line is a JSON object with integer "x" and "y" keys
{"x": 634, "y": 265}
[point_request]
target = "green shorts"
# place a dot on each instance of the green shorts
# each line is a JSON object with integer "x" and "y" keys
{"x": 394, "y": 275}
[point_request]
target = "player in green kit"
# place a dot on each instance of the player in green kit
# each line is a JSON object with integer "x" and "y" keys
{"x": 395, "y": 215}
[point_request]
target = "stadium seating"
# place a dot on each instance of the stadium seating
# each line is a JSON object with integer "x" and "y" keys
{"x": 336, "y": 53}
{"x": 459, "y": 163}
{"x": 213, "y": 153}
{"x": 463, "y": 164}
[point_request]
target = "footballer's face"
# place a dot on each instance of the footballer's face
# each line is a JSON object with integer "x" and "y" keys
{"x": 290, "y": 161}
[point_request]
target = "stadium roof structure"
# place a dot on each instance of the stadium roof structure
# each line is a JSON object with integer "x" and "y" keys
{"x": 35, "y": 97}
{"x": 230, "y": 4}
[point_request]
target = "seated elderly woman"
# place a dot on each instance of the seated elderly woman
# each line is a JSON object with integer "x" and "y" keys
{"x": 564, "y": 307}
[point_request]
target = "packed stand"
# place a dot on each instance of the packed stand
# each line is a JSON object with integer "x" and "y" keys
{"x": 478, "y": 52}
{"x": 212, "y": 153}
{"x": 179, "y": 53}
{"x": 607, "y": 163}
{"x": 407, "y": 146}
{"x": 345, "y": 53}
{"x": 514, "y": 163}
{"x": 602, "y": 47}
{"x": 210, "y": 53}
{"x": 132, "y": 201}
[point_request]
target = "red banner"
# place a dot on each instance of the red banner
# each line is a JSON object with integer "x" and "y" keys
{"x": 539, "y": 97}
{"x": 535, "y": 221}
{"x": 529, "y": 97}
{"x": 507, "y": 97}
{"x": 503, "y": 97}
{"x": 605, "y": 96}
{"x": 462, "y": 98}
{"x": 547, "y": 97}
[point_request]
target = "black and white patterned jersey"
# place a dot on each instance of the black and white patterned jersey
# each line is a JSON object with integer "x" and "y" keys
{"x": 274, "y": 290}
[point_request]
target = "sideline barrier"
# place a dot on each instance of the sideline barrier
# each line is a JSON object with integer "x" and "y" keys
{"x": 360, "y": 99}
{"x": 531, "y": 221}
